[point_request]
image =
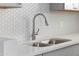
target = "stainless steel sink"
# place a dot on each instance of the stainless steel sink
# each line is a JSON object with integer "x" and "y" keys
{"x": 58, "y": 41}
{"x": 40, "y": 44}
{"x": 49, "y": 42}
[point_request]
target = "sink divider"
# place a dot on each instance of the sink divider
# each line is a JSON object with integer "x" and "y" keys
{"x": 54, "y": 42}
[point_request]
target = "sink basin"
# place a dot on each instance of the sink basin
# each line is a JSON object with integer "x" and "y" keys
{"x": 58, "y": 41}
{"x": 40, "y": 44}
{"x": 49, "y": 42}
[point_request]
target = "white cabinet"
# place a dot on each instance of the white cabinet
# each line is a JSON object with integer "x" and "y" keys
{"x": 64, "y": 6}
{"x": 68, "y": 51}
{"x": 10, "y": 5}
{"x": 1, "y": 47}
{"x": 10, "y": 48}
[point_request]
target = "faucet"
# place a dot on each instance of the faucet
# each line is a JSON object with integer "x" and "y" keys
{"x": 33, "y": 32}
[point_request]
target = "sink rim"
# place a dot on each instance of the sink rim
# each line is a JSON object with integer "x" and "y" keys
{"x": 65, "y": 40}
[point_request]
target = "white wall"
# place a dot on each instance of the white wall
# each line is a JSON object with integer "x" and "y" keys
{"x": 60, "y": 23}
{"x": 18, "y": 21}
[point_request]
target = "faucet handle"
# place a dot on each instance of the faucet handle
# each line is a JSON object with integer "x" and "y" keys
{"x": 37, "y": 32}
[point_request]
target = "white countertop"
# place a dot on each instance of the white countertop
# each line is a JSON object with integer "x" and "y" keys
{"x": 11, "y": 37}
{"x": 27, "y": 50}
{"x": 7, "y": 37}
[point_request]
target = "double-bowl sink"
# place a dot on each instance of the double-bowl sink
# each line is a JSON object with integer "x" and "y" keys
{"x": 50, "y": 42}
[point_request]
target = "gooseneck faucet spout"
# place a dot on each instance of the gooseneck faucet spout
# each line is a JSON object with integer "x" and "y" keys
{"x": 33, "y": 32}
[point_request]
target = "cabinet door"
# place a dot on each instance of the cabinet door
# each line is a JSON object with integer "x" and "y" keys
{"x": 10, "y": 48}
{"x": 68, "y": 51}
{"x": 1, "y": 47}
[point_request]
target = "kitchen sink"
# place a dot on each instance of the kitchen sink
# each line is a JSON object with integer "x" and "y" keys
{"x": 49, "y": 42}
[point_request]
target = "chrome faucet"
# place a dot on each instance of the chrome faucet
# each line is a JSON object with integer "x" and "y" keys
{"x": 33, "y": 32}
